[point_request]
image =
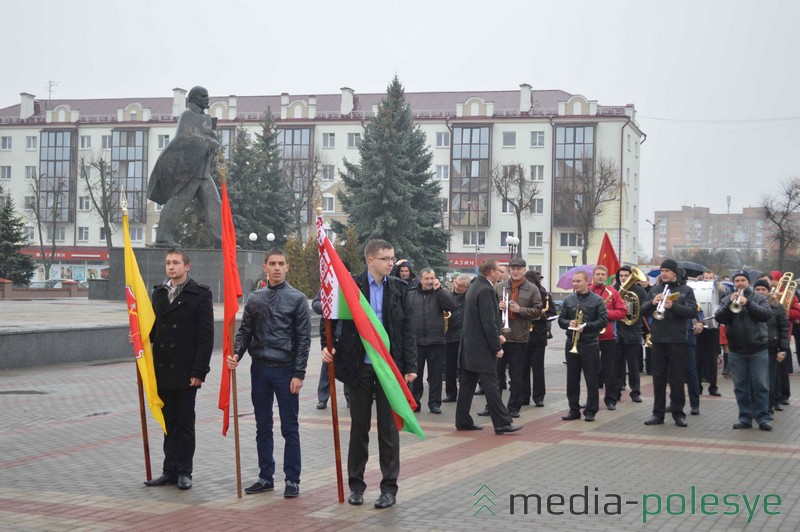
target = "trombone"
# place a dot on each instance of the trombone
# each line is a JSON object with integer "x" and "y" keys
{"x": 785, "y": 290}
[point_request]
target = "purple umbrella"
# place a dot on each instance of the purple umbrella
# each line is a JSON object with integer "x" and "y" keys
{"x": 565, "y": 281}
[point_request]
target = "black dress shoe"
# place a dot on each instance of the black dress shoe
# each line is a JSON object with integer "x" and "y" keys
{"x": 695, "y": 411}
{"x": 715, "y": 393}
{"x": 653, "y": 420}
{"x": 505, "y": 429}
{"x": 449, "y": 399}
{"x": 514, "y": 413}
{"x": 471, "y": 427}
{"x": 540, "y": 404}
{"x": 765, "y": 426}
{"x": 484, "y": 412}
{"x": 184, "y": 482}
{"x": 436, "y": 410}
{"x": 163, "y": 480}
{"x": 611, "y": 406}
{"x": 386, "y": 500}
{"x": 741, "y": 425}
{"x": 681, "y": 422}
{"x": 571, "y": 416}
{"x": 636, "y": 399}
{"x": 260, "y": 486}
{"x": 356, "y": 498}
{"x": 589, "y": 416}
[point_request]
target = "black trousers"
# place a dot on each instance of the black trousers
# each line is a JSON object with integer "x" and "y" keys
{"x": 324, "y": 386}
{"x": 628, "y": 355}
{"x": 607, "y": 372}
{"x": 361, "y": 392}
{"x": 774, "y": 386}
{"x": 451, "y": 369}
{"x": 587, "y": 361}
{"x": 179, "y": 441}
{"x": 519, "y": 371}
{"x": 707, "y": 350}
{"x": 669, "y": 363}
{"x": 466, "y": 392}
{"x": 431, "y": 356}
{"x": 782, "y": 386}
{"x": 536, "y": 363}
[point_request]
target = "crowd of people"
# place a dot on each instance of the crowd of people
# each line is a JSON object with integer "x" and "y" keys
{"x": 479, "y": 336}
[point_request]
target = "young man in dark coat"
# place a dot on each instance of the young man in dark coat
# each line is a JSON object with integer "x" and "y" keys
{"x": 481, "y": 346}
{"x": 183, "y": 338}
{"x": 453, "y": 338}
{"x": 388, "y": 297}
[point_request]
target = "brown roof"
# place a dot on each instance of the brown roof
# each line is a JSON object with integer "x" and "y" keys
{"x": 423, "y": 104}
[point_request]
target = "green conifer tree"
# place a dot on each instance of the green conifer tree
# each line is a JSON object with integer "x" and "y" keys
{"x": 14, "y": 265}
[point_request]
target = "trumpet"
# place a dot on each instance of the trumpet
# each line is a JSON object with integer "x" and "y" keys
{"x": 736, "y": 307}
{"x": 446, "y": 315}
{"x": 506, "y": 327}
{"x": 576, "y": 332}
{"x": 658, "y": 314}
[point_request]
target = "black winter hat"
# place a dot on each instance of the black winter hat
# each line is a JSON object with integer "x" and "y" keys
{"x": 670, "y": 264}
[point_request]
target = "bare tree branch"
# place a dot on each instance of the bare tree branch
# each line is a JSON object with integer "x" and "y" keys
{"x": 779, "y": 210}
{"x": 103, "y": 189}
{"x": 593, "y": 188}
{"x": 511, "y": 185}
{"x": 49, "y": 195}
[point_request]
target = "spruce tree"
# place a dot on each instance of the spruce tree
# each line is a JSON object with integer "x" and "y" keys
{"x": 256, "y": 187}
{"x": 392, "y": 194}
{"x": 14, "y": 265}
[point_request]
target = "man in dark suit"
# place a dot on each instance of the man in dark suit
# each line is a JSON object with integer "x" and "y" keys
{"x": 480, "y": 348}
{"x": 183, "y": 338}
{"x": 388, "y": 297}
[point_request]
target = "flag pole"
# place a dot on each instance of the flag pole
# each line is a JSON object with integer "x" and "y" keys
{"x": 123, "y": 203}
{"x": 337, "y": 448}
{"x": 236, "y": 420}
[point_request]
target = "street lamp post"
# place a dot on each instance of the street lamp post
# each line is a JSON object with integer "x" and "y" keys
{"x": 655, "y": 248}
{"x": 512, "y": 243}
{"x": 574, "y": 254}
{"x": 469, "y": 208}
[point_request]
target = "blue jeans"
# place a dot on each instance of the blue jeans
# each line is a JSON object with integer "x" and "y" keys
{"x": 750, "y": 375}
{"x": 266, "y": 383}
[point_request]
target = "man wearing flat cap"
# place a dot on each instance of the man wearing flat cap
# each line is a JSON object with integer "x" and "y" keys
{"x": 673, "y": 303}
{"x": 745, "y": 315}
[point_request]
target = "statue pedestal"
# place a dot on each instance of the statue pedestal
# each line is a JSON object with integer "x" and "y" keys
{"x": 206, "y": 269}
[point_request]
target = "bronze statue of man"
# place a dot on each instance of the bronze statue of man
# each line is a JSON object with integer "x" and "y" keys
{"x": 183, "y": 172}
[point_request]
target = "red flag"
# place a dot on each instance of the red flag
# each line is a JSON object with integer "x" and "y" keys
{"x": 233, "y": 291}
{"x": 608, "y": 257}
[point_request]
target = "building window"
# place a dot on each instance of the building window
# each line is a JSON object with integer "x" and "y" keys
{"x": 443, "y": 140}
{"x": 86, "y": 142}
{"x": 535, "y": 267}
{"x": 329, "y": 140}
{"x": 445, "y": 205}
{"x": 134, "y": 116}
{"x": 508, "y": 208}
{"x": 57, "y": 173}
{"x": 442, "y": 172}
{"x": 30, "y": 233}
{"x": 563, "y": 270}
{"x": 129, "y": 167}
{"x": 102, "y": 233}
{"x": 31, "y": 143}
{"x": 353, "y": 140}
{"x": 4, "y": 200}
{"x": 537, "y": 172}
{"x": 84, "y": 204}
{"x": 629, "y": 142}
{"x": 504, "y": 237}
{"x": 328, "y": 203}
{"x": 574, "y": 158}
{"x": 163, "y": 140}
{"x": 30, "y": 202}
{"x": 535, "y": 239}
{"x": 83, "y": 234}
{"x": 60, "y": 233}
{"x": 30, "y": 172}
{"x": 509, "y": 139}
{"x": 106, "y": 142}
{"x": 5, "y": 143}
{"x": 537, "y": 206}
{"x": 510, "y": 171}
{"x": 470, "y": 240}
{"x": 537, "y": 139}
{"x": 136, "y": 233}
{"x": 469, "y": 177}
{"x": 571, "y": 240}
{"x": 5, "y": 172}
{"x": 328, "y": 172}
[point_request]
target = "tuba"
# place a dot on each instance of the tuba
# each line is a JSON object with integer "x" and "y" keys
{"x": 630, "y": 298}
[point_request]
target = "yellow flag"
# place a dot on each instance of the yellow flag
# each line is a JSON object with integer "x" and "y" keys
{"x": 141, "y": 318}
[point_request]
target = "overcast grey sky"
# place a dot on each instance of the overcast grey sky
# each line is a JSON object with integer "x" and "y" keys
{"x": 715, "y": 83}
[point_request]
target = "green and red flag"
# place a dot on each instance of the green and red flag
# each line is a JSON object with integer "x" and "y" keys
{"x": 608, "y": 258}
{"x": 232, "y": 292}
{"x": 342, "y": 299}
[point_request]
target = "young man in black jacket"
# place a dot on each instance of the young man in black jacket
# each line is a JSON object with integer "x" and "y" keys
{"x": 183, "y": 338}
{"x": 629, "y": 340}
{"x": 747, "y": 351}
{"x": 777, "y": 342}
{"x": 453, "y": 338}
{"x": 276, "y": 331}
{"x": 670, "y": 352}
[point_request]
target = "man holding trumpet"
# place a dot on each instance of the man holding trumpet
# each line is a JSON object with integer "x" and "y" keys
{"x": 672, "y": 305}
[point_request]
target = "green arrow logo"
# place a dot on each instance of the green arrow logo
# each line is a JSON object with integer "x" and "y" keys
{"x": 484, "y": 500}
